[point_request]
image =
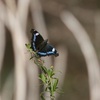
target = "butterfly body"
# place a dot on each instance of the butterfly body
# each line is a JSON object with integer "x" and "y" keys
{"x": 41, "y": 46}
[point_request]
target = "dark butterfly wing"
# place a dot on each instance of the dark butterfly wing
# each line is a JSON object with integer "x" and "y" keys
{"x": 48, "y": 50}
{"x": 40, "y": 46}
{"x": 36, "y": 40}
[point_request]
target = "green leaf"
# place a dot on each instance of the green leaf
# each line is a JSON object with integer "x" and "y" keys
{"x": 44, "y": 69}
{"x": 42, "y": 78}
{"x": 28, "y": 46}
{"x": 50, "y": 72}
{"x": 55, "y": 83}
{"x": 42, "y": 97}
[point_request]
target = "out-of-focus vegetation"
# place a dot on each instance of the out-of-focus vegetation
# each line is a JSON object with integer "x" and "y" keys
{"x": 18, "y": 17}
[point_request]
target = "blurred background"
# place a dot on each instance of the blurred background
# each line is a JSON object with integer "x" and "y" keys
{"x": 72, "y": 27}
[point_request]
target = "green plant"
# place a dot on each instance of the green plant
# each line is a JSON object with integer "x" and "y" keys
{"x": 47, "y": 75}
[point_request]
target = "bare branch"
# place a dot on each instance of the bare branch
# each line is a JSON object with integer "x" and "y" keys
{"x": 7, "y": 92}
{"x": 22, "y": 12}
{"x": 61, "y": 66}
{"x": 88, "y": 51}
{"x": 97, "y": 29}
{"x": 11, "y": 5}
{"x": 20, "y": 59}
{"x": 2, "y": 36}
{"x": 2, "y": 43}
{"x": 37, "y": 16}
{"x": 33, "y": 81}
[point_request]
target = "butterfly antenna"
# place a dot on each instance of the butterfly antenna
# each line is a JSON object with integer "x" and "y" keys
{"x": 32, "y": 30}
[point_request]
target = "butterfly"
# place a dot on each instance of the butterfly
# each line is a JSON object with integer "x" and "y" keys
{"x": 41, "y": 46}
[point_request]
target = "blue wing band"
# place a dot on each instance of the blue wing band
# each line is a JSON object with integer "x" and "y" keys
{"x": 45, "y": 53}
{"x": 34, "y": 39}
